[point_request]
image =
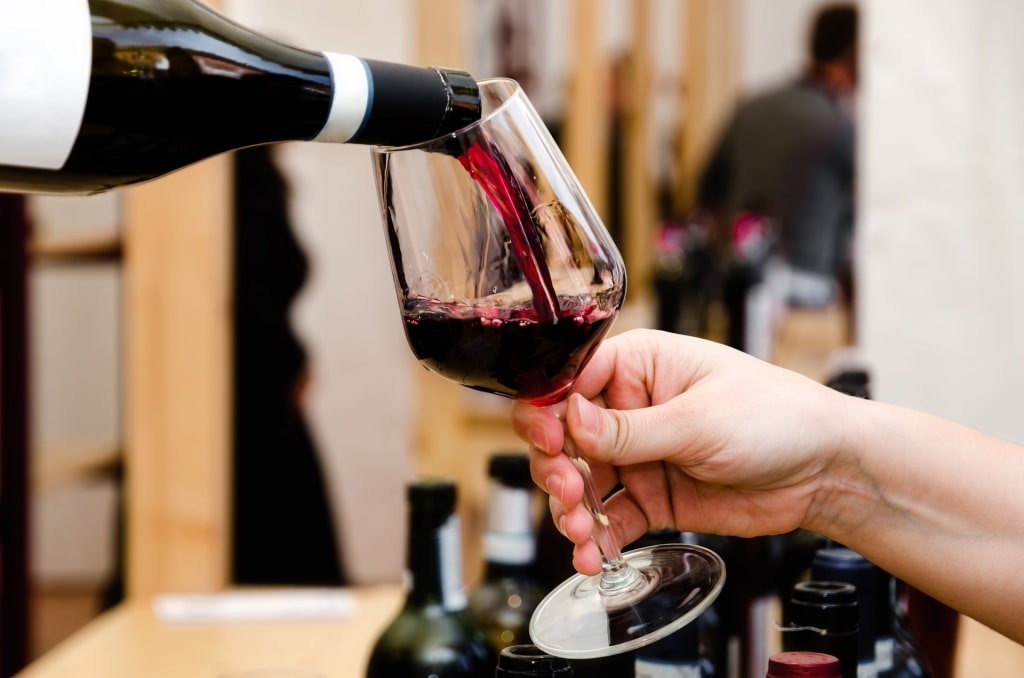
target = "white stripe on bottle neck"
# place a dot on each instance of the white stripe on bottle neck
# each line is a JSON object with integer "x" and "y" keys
{"x": 43, "y": 83}
{"x": 453, "y": 590}
{"x": 351, "y": 90}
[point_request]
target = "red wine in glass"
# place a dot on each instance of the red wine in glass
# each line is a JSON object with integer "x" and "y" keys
{"x": 507, "y": 352}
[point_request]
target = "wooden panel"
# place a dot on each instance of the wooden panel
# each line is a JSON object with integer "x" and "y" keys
{"x": 440, "y": 33}
{"x": 587, "y": 111}
{"x": 711, "y": 82}
{"x": 177, "y": 309}
{"x": 639, "y": 186}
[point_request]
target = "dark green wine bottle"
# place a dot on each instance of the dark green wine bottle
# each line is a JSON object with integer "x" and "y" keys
{"x": 106, "y": 93}
{"x": 433, "y": 635}
{"x": 504, "y": 600}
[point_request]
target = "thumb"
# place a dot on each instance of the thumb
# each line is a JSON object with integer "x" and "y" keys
{"x": 621, "y": 437}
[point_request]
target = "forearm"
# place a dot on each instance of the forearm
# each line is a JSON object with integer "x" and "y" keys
{"x": 935, "y": 503}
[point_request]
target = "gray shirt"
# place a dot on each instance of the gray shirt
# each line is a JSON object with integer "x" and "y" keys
{"x": 789, "y": 154}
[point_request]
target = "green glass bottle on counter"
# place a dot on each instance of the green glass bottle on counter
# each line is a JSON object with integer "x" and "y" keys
{"x": 434, "y": 634}
{"x": 509, "y": 592}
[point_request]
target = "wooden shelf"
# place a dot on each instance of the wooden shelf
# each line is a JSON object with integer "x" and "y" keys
{"x": 76, "y": 248}
{"x": 58, "y": 465}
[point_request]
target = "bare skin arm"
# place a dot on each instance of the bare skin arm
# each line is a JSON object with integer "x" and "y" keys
{"x": 707, "y": 439}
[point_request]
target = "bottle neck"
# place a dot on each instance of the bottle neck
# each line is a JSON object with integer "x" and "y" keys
{"x": 434, "y": 564}
{"x": 389, "y": 104}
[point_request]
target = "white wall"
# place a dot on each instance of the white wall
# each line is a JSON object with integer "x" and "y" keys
{"x": 75, "y": 392}
{"x": 942, "y": 208}
{"x": 347, "y": 316}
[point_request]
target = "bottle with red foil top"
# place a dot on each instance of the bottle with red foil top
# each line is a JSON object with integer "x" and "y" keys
{"x": 803, "y": 665}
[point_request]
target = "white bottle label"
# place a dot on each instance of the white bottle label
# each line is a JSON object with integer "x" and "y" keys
{"x": 45, "y": 62}
{"x": 509, "y": 536}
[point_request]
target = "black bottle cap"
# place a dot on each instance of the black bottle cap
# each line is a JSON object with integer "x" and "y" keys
{"x": 529, "y": 660}
{"x": 841, "y": 559}
{"x": 511, "y": 469}
{"x": 464, "y": 105}
{"x": 411, "y": 105}
{"x": 853, "y": 381}
{"x": 830, "y": 606}
{"x": 431, "y": 500}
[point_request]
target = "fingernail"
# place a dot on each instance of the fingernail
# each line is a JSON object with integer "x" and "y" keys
{"x": 588, "y": 414}
{"x": 539, "y": 438}
{"x": 561, "y": 525}
{"x": 556, "y": 486}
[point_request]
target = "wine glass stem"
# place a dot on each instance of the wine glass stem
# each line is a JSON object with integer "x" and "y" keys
{"x": 616, "y": 574}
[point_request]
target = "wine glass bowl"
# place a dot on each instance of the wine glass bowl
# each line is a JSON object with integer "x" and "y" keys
{"x": 506, "y": 277}
{"x": 507, "y": 281}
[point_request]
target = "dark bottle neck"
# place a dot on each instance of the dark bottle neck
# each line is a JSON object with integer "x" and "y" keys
{"x": 434, "y": 563}
{"x": 495, "y": 571}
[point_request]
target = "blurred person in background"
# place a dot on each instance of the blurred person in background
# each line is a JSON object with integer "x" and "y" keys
{"x": 780, "y": 183}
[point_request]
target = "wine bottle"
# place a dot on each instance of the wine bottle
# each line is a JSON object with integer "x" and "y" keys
{"x": 677, "y": 655}
{"x": 908, "y": 659}
{"x": 509, "y": 592}
{"x": 150, "y": 86}
{"x": 529, "y": 660}
{"x": 803, "y": 665}
{"x": 433, "y": 634}
{"x": 823, "y": 616}
{"x": 739, "y": 631}
{"x": 846, "y": 565}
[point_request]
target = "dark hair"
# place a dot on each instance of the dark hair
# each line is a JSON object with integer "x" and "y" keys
{"x": 834, "y": 32}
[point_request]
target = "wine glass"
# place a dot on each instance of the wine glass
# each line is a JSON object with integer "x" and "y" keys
{"x": 507, "y": 281}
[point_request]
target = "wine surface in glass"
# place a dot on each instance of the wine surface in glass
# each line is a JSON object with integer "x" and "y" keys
{"x": 509, "y": 352}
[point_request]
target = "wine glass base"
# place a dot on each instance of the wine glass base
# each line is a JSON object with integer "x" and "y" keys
{"x": 579, "y": 620}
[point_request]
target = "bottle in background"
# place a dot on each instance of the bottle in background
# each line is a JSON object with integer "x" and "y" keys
{"x": 740, "y": 630}
{"x": 130, "y": 90}
{"x": 908, "y": 659}
{"x": 822, "y": 616}
{"x": 803, "y": 665}
{"x": 529, "y": 660}
{"x": 846, "y": 565}
{"x": 677, "y": 655}
{"x": 508, "y": 594}
{"x": 433, "y": 634}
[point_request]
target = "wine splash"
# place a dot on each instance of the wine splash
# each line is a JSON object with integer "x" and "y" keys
{"x": 509, "y": 196}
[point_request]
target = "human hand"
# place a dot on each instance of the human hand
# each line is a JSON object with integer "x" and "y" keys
{"x": 701, "y": 437}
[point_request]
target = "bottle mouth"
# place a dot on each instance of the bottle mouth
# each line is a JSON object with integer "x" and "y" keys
{"x": 495, "y": 95}
{"x": 464, "y": 107}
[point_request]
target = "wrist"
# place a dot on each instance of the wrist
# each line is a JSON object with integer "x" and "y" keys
{"x": 846, "y": 494}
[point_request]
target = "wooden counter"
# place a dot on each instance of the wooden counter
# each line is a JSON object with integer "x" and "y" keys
{"x": 131, "y": 642}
